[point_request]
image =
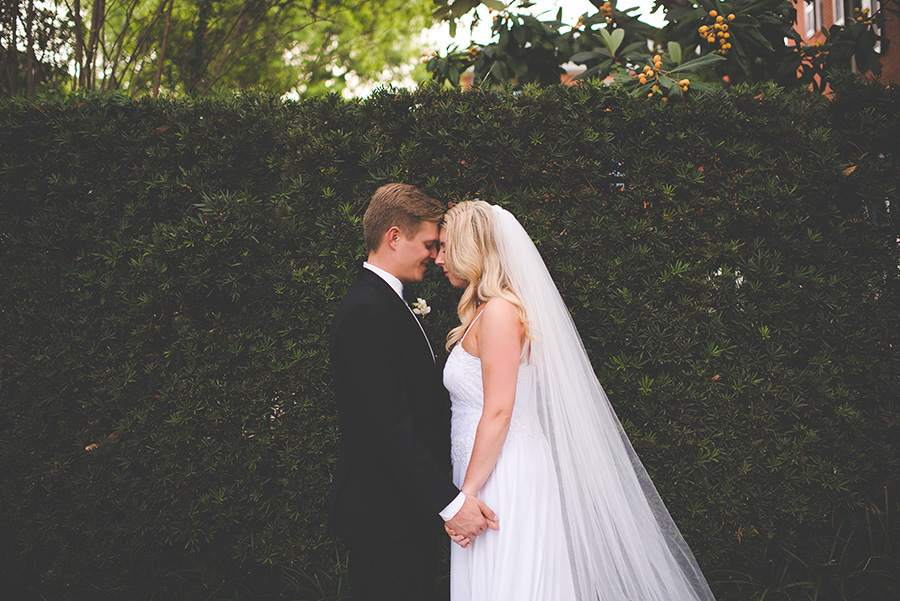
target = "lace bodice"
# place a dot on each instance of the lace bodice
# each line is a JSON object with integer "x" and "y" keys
{"x": 462, "y": 378}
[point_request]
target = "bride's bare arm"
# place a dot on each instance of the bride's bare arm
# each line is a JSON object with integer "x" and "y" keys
{"x": 499, "y": 341}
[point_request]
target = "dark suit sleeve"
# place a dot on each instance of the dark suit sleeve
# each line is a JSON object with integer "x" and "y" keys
{"x": 377, "y": 404}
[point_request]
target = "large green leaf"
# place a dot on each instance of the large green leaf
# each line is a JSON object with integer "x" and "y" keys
{"x": 755, "y": 37}
{"x": 706, "y": 61}
{"x": 583, "y": 57}
{"x": 640, "y": 45}
{"x": 494, "y": 4}
{"x": 601, "y": 68}
{"x": 612, "y": 40}
{"x": 617, "y": 37}
{"x": 675, "y": 52}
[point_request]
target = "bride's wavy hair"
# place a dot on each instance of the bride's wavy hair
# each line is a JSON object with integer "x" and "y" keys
{"x": 472, "y": 255}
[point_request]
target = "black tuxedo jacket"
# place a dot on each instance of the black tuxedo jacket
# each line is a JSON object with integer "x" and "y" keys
{"x": 392, "y": 475}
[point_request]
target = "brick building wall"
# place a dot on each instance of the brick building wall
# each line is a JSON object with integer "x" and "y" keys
{"x": 813, "y": 17}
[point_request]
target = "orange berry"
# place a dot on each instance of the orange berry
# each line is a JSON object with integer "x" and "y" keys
{"x": 731, "y": 17}
{"x": 713, "y": 14}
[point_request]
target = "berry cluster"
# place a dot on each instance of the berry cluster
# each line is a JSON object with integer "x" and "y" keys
{"x": 816, "y": 49}
{"x": 607, "y": 10}
{"x": 652, "y": 73}
{"x": 717, "y": 32}
{"x": 862, "y": 16}
{"x": 649, "y": 72}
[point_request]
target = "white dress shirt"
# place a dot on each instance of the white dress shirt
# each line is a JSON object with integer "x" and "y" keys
{"x": 450, "y": 511}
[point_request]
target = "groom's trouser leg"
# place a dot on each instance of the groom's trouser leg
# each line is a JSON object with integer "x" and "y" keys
{"x": 393, "y": 570}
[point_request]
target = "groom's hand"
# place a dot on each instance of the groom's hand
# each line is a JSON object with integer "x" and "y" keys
{"x": 460, "y": 540}
{"x": 473, "y": 518}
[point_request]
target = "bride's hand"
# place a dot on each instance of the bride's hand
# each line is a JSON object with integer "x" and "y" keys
{"x": 459, "y": 539}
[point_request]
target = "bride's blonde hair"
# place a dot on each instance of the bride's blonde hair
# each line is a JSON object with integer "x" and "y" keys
{"x": 472, "y": 255}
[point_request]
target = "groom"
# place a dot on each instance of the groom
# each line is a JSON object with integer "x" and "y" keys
{"x": 391, "y": 483}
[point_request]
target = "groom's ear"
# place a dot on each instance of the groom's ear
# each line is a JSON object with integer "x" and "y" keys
{"x": 392, "y": 237}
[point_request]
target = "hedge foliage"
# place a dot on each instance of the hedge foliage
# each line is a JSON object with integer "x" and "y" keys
{"x": 170, "y": 268}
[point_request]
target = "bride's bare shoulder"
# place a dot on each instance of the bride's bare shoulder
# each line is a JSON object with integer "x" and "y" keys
{"x": 501, "y": 314}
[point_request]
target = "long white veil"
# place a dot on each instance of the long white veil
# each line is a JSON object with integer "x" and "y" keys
{"x": 623, "y": 544}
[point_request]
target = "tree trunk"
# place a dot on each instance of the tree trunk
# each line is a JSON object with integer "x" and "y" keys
{"x": 30, "y": 58}
{"x": 97, "y": 17}
{"x": 196, "y": 65}
{"x": 11, "y": 56}
{"x": 162, "y": 51}
{"x": 78, "y": 81}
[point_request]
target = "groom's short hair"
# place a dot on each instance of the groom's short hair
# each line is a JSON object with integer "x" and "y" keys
{"x": 402, "y": 205}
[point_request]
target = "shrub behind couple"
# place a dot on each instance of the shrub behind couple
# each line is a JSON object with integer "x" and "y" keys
{"x": 547, "y": 500}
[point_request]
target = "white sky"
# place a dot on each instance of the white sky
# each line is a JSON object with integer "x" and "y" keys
{"x": 438, "y": 37}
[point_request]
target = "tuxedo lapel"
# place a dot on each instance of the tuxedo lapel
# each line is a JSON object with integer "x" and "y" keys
{"x": 394, "y": 300}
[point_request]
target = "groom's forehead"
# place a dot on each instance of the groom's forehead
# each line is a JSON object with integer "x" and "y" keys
{"x": 429, "y": 230}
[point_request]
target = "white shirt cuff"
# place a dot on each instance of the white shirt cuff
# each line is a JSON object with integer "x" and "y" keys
{"x": 449, "y": 512}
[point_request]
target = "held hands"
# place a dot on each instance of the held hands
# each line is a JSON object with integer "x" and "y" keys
{"x": 473, "y": 518}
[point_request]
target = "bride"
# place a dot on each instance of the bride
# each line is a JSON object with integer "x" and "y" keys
{"x": 534, "y": 436}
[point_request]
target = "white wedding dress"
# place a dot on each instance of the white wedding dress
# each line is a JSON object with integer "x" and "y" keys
{"x": 580, "y": 519}
{"x": 527, "y": 559}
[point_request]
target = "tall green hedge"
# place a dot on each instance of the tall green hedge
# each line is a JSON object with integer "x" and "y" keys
{"x": 170, "y": 267}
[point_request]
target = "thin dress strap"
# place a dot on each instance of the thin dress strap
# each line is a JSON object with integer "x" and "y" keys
{"x": 470, "y": 327}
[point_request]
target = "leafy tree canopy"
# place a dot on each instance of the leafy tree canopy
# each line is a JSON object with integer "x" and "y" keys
{"x": 192, "y": 46}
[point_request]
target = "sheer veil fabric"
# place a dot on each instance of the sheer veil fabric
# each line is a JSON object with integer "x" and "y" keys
{"x": 622, "y": 542}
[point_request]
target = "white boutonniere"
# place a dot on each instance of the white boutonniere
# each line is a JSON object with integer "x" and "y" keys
{"x": 420, "y": 307}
